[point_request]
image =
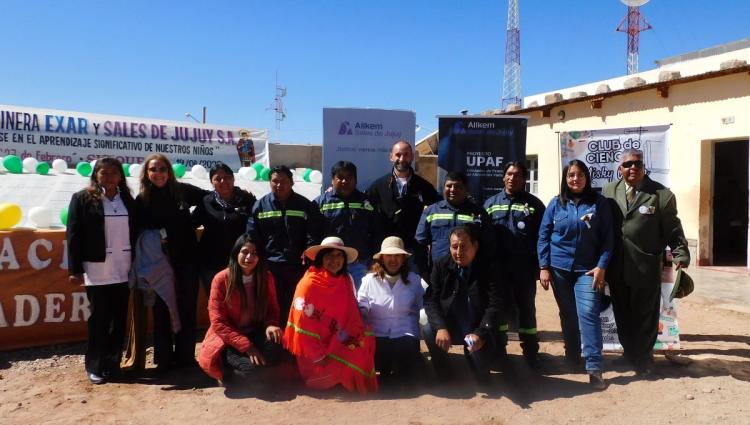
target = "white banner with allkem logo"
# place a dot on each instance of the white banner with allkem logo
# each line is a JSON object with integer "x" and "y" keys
{"x": 364, "y": 136}
{"x": 601, "y": 149}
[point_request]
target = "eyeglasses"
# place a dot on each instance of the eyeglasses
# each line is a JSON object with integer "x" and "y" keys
{"x": 158, "y": 169}
{"x": 637, "y": 163}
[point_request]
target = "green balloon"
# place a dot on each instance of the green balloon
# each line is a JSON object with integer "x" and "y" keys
{"x": 179, "y": 170}
{"x": 13, "y": 164}
{"x": 84, "y": 168}
{"x": 306, "y": 175}
{"x": 126, "y": 169}
{"x": 42, "y": 168}
{"x": 265, "y": 175}
{"x": 64, "y": 216}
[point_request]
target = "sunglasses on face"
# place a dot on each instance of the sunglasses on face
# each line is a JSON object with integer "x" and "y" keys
{"x": 636, "y": 163}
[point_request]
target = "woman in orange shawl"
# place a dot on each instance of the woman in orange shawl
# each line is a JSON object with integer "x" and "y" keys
{"x": 325, "y": 331}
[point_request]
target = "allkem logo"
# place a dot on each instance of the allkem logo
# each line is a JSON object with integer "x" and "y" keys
{"x": 344, "y": 129}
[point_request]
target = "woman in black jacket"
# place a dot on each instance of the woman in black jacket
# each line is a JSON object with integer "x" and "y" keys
{"x": 100, "y": 233}
{"x": 164, "y": 204}
{"x": 223, "y": 214}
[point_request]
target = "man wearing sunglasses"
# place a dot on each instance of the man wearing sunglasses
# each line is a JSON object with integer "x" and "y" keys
{"x": 646, "y": 222}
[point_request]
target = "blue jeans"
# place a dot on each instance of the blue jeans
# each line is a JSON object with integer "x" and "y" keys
{"x": 358, "y": 270}
{"x": 579, "y": 305}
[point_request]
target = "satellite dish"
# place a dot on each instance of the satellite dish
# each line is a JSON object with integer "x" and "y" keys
{"x": 634, "y": 3}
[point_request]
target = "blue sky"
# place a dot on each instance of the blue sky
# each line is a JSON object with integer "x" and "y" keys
{"x": 160, "y": 59}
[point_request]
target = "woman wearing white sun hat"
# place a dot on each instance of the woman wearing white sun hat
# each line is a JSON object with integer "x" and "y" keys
{"x": 390, "y": 299}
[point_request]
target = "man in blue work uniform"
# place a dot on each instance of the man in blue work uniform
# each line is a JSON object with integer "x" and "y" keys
{"x": 515, "y": 215}
{"x": 438, "y": 219}
{"x": 348, "y": 214}
{"x": 284, "y": 223}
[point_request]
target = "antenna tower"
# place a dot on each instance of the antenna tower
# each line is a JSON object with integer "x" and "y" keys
{"x": 278, "y": 105}
{"x": 512, "y": 68}
{"x": 633, "y": 24}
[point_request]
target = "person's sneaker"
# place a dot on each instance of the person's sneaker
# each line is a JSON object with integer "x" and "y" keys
{"x": 596, "y": 380}
{"x": 96, "y": 379}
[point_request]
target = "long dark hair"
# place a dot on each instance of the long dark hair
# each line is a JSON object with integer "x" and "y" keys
{"x": 235, "y": 284}
{"x": 322, "y": 253}
{"x": 588, "y": 193}
{"x": 147, "y": 186}
{"x": 378, "y": 267}
{"x": 95, "y": 190}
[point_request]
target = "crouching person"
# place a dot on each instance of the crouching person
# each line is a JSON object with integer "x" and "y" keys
{"x": 462, "y": 305}
{"x": 244, "y": 333}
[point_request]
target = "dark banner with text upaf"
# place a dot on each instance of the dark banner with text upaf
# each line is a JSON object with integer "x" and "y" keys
{"x": 480, "y": 147}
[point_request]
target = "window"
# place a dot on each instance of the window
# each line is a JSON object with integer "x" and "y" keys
{"x": 532, "y": 184}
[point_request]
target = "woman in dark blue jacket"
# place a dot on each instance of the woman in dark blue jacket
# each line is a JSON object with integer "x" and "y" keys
{"x": 575, "y": 245}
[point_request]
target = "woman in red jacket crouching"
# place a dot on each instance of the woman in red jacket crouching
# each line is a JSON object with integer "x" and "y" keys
{"x": 244, "y": 333}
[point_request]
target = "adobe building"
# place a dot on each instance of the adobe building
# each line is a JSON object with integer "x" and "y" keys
{"x": 705, "y": 97}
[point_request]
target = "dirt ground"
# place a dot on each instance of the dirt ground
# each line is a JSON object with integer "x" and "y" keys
{"x": 48, "y": 385}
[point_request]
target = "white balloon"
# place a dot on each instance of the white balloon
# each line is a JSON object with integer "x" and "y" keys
{"x": 296, "y": 176}
{"x": 59, "y": 165}
{"x": 135, "y": 170}
{"x": 29, "y": 164}
{"x": 1, "y": 164}
{"x": 316, "y": 177}
{"x": 40, "y": 216}
{"x": 93, "y": 164}
{"x": 248, "y": 173}
{"x": 199, "y": 171}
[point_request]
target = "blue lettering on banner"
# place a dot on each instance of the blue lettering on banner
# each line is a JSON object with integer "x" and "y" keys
{"x": 63, "y": 124}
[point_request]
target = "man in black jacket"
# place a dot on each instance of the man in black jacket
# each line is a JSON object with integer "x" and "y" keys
{"x": 462, "y": 304}
{"x": 400, "y": 196}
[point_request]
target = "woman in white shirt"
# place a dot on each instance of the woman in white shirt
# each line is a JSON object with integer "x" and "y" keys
{"x": 100, "y": 233}
{"x": 390, "y": 299}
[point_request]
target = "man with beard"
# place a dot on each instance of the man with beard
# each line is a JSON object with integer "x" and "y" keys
{"x": 400, "y": 196}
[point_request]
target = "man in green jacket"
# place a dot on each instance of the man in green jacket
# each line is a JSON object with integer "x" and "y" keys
{"x": 646, "y": 222}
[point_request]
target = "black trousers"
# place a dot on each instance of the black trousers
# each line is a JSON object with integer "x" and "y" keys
{"x": 479, "y": 361}
{"x": 106, "y": 327}
{"x": 520, "y": 296}
{"x": 183, "y": 353}
{"x": 206, "y": 274}
{"x": 637, "y": 318}
{"x": 234, "y": 360}
{"x": 398, "y": 357}
{"x": 286, "y": 276}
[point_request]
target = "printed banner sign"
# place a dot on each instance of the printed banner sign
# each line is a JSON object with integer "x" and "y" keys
{"x": 364, "y": 136}
{"x": 668, "y": 337}
{"x": 38, "y": 306}
{"x": 480, "y": 147}
{"x": 601, "y": 149}
{"x": 47, "y": 134}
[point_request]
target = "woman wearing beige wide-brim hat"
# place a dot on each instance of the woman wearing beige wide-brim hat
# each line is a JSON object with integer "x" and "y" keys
{"x": 325, "y": 331}
{"x": 390, "y": 299}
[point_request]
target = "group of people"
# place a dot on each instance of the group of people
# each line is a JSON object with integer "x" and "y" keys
{"x": 336, "y": 281}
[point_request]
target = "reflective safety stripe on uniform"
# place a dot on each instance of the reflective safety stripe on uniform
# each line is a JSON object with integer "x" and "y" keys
{"x": 342, "y": 205}
{"x": 269, "y": 214}
{"x": 443, "y": 216}
{"x": 514, "y": 207}
{"x": 296, "y": 213}
{"x": 527, "y": 331}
